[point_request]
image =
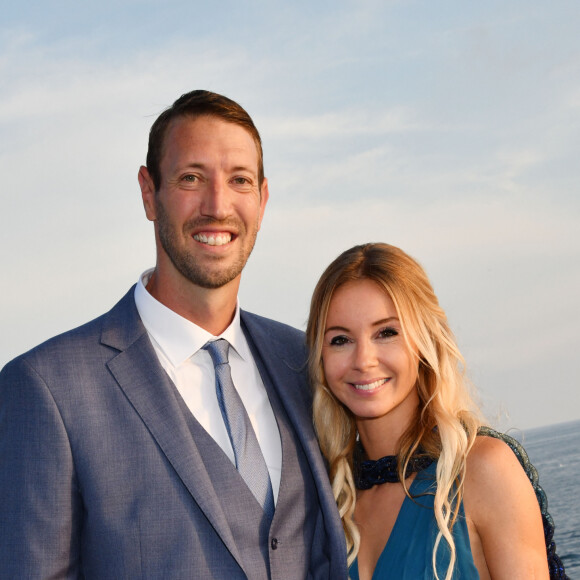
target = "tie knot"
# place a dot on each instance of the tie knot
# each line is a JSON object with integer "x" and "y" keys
{"x": 218, "y": 350}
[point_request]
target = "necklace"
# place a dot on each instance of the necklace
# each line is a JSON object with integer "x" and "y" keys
{"x": 368, "y": 473}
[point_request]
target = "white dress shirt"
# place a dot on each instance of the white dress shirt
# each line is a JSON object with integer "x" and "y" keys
{"x": 178, "y": 344}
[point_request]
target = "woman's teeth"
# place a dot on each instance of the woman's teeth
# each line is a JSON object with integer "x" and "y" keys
{"x": 370, "y": 386}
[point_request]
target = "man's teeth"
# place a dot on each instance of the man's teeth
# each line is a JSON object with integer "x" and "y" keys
{"x": 370, "y": 386}
{"x": 213, "y": 239}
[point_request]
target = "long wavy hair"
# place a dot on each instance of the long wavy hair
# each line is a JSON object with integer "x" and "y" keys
{"x": 447, "y": 420}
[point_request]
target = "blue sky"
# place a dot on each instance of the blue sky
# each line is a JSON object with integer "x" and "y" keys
{"x": 450, "y": 129}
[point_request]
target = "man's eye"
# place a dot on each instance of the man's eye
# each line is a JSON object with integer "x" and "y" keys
{"x": 189, "y": 178}
{"x": 240, "y": 180}
{"x": 338, "y": 340}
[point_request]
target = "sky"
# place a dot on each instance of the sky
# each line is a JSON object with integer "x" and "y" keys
{"x": 449, "y": 129}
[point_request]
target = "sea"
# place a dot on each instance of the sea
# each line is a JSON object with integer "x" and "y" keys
{"x": 555, "y": 453}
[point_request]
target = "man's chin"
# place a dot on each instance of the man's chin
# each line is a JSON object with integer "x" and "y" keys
{"x": 211, "y": 279}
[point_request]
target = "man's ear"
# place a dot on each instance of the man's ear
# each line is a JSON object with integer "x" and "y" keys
{"x": 264, "y": 195}
{"x": 147, "y": 192}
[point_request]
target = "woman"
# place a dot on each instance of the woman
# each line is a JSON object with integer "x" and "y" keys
{"x": 421, "y": 495}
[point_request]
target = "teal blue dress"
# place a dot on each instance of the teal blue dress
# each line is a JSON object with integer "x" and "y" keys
{"x": 409, "y": 550}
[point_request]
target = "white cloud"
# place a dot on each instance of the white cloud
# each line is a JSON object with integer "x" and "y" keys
{"x": 344, "y": 123}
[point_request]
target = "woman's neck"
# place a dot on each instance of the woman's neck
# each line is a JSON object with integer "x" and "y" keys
{"x": 379, "y": 437}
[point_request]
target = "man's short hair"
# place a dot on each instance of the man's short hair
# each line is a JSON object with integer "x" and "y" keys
{"x": 193, "y": 105}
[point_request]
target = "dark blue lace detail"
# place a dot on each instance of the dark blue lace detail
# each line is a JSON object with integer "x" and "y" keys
{"x": 555, "y": 565}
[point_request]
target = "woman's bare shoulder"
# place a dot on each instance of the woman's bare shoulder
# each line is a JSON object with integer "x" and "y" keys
{"x": 489, "y": 458}
{"x": 501, "y": 505}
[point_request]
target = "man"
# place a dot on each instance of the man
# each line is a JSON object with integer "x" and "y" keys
{"x": 118, "y": 440}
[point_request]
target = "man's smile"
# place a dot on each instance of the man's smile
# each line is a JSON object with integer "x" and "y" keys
{"x": 213, "y": 238}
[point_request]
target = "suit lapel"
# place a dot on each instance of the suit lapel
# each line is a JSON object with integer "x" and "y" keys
{"x": 288, "y": 370}
{"x": 153, "y": 396}
{"x": 288, "y": 376}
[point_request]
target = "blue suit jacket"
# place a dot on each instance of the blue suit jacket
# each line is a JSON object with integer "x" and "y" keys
{"x": 99, "y": 474}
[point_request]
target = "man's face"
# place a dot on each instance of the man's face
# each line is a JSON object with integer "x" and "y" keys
{"x": 209, "y": 207}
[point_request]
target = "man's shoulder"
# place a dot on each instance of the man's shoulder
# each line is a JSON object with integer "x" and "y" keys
{"x": 77, "y": 340}
{"x": 275, "y": 338}
{"x": 274, "y": 327}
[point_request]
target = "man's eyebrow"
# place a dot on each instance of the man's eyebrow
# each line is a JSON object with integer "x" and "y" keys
{"x": 200, "y": 165}
{"x": 244, "y": 168}
{"x": 194, "y": 165}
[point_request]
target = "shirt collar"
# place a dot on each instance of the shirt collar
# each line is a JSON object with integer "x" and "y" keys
{"x": 178, "y": 337}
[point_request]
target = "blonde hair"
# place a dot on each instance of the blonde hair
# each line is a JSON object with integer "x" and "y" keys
{"x": 447, "y": 419}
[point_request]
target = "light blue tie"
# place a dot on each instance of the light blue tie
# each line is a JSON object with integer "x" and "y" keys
{"x": 249, "y": 459}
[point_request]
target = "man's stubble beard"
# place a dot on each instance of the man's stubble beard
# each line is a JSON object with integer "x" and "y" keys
{"x": 185, "y": 262}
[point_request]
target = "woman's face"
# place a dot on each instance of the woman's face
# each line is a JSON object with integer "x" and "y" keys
{"x": 367, "y": 363}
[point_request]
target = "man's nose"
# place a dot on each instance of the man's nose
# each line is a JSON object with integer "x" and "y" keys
{"x": 216, "y": 201}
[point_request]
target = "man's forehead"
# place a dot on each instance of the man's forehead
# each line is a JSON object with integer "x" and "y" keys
{"x": 197, "y": 128}
{"x": 201, "y": 120}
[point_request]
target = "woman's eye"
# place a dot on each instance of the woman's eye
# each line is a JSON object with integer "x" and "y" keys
{"x": 338, "y": 340}
{"x": 387, "y": 333}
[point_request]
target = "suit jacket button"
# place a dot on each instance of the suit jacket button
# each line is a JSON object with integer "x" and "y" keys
{"x": 274, "y": 543}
